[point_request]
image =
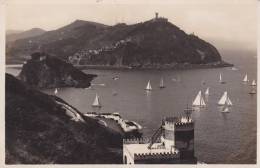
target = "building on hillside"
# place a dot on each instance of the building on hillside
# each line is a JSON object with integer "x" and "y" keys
{"x": 159, "y": 19}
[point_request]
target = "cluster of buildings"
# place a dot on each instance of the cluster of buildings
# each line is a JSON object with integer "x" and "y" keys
{"x": 87, "y": 54}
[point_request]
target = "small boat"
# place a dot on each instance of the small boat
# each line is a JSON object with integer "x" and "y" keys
{"x": 115, "y": 78}
{"x": 207, "y": 91}
{"x": 199, "y": 101}
{"x": 56, "y": 91}
{"x": 220, "y": 79}
{"x": 114, "y": 93}
{"x": 162, "y": 84}
{"x": 225, "y": 109}
{"x": 96, "y": 102}
{"x": 253, "y": 83}
{"x": 245, "y": 79}
{"x": 203, "y": 82}
{"x": 148, "y": 87}
{"x": 234, "y": 69}
{"x": 225, "y": 100}
{"x": 253, "y": 90}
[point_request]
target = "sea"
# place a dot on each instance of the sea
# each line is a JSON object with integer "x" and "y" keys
{"x": 219, "y": 137}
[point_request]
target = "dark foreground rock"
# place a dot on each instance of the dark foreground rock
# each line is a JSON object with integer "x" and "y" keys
{"x": 44, "y": 71}
{"x": 39, "y": 130}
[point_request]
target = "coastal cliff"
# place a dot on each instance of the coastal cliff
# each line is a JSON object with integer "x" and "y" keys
{"x": 45, "y": 71}
{"x": 43, "y": 129}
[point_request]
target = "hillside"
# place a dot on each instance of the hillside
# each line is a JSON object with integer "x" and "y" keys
{"x": 45, "y": 71}
{"x": 16, "y": 35}
{"x": 39, "y": 130}
{"x": 151, "y": 43}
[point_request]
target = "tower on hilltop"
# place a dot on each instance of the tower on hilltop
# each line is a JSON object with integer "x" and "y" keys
{"x": 156, "y": 15}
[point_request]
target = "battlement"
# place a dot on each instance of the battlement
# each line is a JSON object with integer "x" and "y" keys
{"x": 161, "y": 155}
{"x": 138, "y": 141}
{"x": 174, "y": 122}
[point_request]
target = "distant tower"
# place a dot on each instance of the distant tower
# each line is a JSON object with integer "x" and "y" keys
{"x": 156, "y": 15}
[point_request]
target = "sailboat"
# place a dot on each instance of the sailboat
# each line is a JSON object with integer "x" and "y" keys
{"x": 96, "y": 102}
{"x": 245, "y": 78}
{"x": 199, "y": 101}
{"x": 253, "y": 83}
{"x": 225, "y": 109}
{"x": 56, "y": 91}
{"x": 224, "y": 100}
{"x": 253, "y": 91}
{"x": 161, "y": 84}
{"x": 207, "y": 91}
{"x": 220, "y": 79}
{"x": 148, "y": 87}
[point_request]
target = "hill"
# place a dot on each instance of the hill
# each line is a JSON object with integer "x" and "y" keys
{"x": 45, "y": 71}
{"x": 151, "y": 43}
{"x": 40, "y": 130}
{"x": 15, "y": 35}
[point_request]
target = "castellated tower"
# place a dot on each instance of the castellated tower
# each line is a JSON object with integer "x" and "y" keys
{"x": 172, "y": 143}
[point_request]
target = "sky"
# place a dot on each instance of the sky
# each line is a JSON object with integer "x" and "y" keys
{"x": 226, "y": 22}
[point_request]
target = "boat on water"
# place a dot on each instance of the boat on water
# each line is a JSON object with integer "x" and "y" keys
{"x": 199, "y": 101}
{"x": 221, "y": 80}
{"x": 148, "y": 86}
{"x": 245, "y": 79}
{"x": 234, "y": 69}
{"x": 253, "y": 90}
{"x": 114, "y": 93}
{"x": 116, "y": 78}
{"x": 96, "y": 102}
{"x": 56, "y": 91}
{"x": 225, "y": 109}
{"x": 207, "y": 92}
{"x": 161, "y": 84}
{"x": 225, "y": 100}
{"x": 253, "y": 83}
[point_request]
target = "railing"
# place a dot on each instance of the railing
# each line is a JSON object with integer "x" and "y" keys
{"x": 155, "y": 136}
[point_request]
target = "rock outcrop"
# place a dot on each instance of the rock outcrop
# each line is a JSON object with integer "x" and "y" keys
{"x": 45, "y": 71}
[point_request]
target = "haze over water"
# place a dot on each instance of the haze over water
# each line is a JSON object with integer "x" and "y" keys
{"x": 219, "y": 138}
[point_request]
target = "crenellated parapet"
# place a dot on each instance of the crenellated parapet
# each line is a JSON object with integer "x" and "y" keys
{"x": 161, "y": 155}
{"x": 137, "y": 141}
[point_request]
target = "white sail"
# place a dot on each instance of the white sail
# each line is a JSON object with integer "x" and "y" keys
{"x": 199, "y": 101}
{"x": 224, "y": 100}
{"x": 161, "y": 83}
{"x": 56, "y": 91}
{"x": 229, "y": 103}
{"x": 253, "y": 83}
{"x": 148, "y": 87}
{"x": 245, "y": 78}
{"x": 207, "y": 91}
{"x": 220, "y": 78}
{"x": 96, "y": 102}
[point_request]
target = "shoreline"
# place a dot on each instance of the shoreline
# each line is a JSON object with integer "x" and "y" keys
{"x": 155, "y": 67}
{"x": 149, "y": 67}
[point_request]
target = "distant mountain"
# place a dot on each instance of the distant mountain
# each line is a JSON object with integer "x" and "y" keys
{"x": 24, "y": 34}
{"x": 44, "y": 129}
{"x": 12, "y": 31}
{"x": 151, "y": 43}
